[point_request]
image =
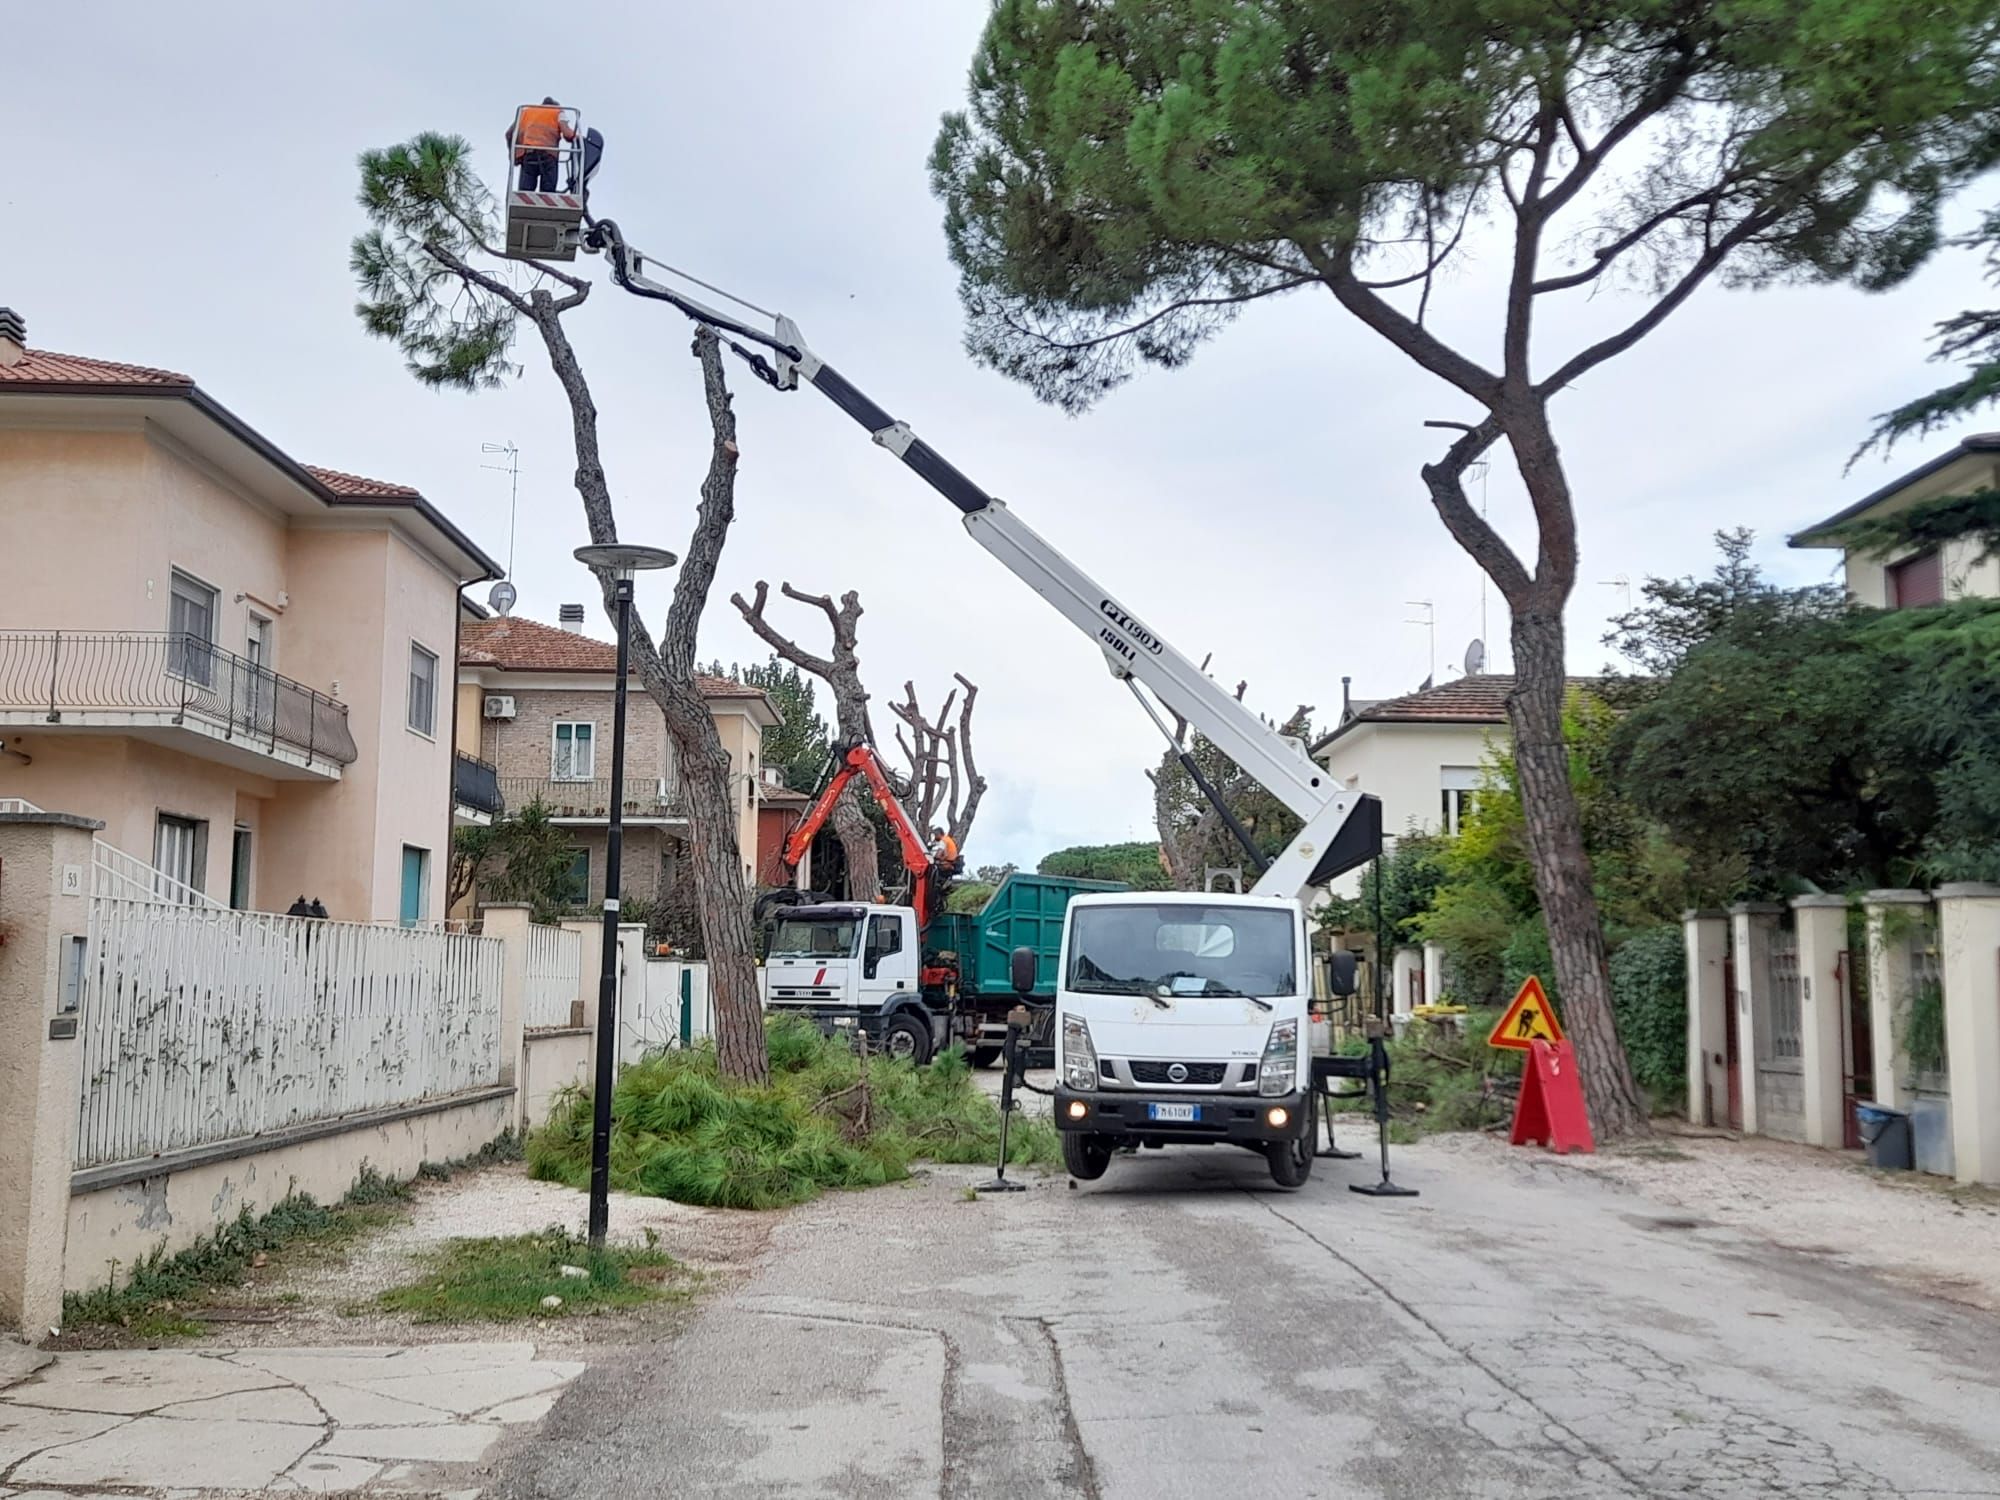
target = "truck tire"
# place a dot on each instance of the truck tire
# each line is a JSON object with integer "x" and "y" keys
{"x": 907, "y": 1036}
{"x": 1292, "y": 1161}
{"x": 1085, "y": 1156}
{"x": 983, "y": 1057}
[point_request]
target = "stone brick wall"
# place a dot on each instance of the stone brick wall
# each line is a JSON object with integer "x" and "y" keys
{"x": 523, "y": 745}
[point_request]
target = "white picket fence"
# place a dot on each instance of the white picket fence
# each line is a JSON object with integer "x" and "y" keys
{"x": 202, "y": 1025}
{"x": 555, "y": 962}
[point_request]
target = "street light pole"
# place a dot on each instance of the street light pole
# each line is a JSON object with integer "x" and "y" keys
{"x": 621, "y": 562}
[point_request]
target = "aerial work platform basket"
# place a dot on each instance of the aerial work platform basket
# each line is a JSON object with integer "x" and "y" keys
{"x": 545, "y": 186}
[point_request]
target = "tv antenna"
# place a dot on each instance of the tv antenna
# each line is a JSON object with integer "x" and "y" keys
{"x": 1429, "y": 622}
{"x": 1622, "y": 581}
{"x": 503, "y": 594}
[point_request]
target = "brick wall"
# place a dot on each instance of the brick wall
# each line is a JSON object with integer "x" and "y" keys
{"x": 522, "y": 746}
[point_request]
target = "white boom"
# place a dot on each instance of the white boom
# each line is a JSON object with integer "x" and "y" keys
{"x": 1333, "y": 839}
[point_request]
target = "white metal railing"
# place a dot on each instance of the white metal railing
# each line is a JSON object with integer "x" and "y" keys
{"x": 1787, "y": 1042}
{"x": 17, "y": 805}
{"x": 125, "y": 877}
{"x": 555, "y": 968}
{"x": 202, "y": 1025}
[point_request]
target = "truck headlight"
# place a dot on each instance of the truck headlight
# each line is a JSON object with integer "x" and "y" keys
{"x": 1079, "y": 1056}
{"x": 1279, "y": 1071}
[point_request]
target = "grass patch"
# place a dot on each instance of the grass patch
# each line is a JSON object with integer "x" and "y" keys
{"x": 823, "y": 1121}
{"x": 153, "y": 1299}
{"x": 506, "y": 1280}
{"x": 504, "y": 1147}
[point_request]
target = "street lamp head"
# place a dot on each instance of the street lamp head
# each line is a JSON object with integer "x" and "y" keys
{"x": 622, "y": 561}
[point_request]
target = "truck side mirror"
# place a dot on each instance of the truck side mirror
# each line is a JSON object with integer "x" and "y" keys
{"x": 1022, "y": 969}
{"x": 1341, "y": 967}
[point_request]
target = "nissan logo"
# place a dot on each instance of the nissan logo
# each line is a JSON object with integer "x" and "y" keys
{"x": 1176, "y": 1072}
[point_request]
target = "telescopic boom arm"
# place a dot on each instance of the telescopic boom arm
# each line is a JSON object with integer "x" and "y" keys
{"x": 1343, "y": 827}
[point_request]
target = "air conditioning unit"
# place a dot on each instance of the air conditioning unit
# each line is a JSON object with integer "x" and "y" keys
{"x": 499, "y": 706}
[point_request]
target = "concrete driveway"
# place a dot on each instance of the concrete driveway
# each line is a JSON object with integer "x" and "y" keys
{"x": 1181, "y": 1328}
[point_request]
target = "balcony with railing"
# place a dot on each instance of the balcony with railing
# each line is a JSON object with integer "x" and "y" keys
{"x": 475, "y": 789}
{"x": 647, "y": 799}
{"x": 177, "y": 689}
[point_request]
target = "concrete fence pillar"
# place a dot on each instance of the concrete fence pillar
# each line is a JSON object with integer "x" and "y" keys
{"x": 1969, "y": 956}
{"x": 1404, "y": 975}
{"x": 507, "y": 922}
{"x": 1707, "y": 936}
{"x": 1434, "y": 985}
{"x": 1751, "y": 924}
{"x": 631, "y": 975}
{"x": 1889, "y": 982}
{"x": 45, "y": 877}
{"x": 1823, "y": 981}
{"x": 590, "y": 967}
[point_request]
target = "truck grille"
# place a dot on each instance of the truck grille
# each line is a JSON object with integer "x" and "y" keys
{"x": 1202, "y": 1074}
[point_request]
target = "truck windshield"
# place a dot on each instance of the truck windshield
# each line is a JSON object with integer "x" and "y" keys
{"x": 1181, "y": 950}
{"x": 814, "y": 937}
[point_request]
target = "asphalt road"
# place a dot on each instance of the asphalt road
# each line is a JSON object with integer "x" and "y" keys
{"x": 1182, "y": 1328}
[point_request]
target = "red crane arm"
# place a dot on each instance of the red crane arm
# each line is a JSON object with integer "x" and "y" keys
{"x": 860, "y": 761}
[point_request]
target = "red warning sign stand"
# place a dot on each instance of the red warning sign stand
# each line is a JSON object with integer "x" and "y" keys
{"x": 1550, "y": 1111}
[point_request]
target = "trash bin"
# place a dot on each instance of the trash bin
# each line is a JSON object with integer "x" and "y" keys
{"x": 1885, "y": 1132}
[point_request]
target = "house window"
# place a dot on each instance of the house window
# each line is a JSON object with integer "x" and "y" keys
{"x": 423, "y": 690}
{"x": 577, "y": 889}
{"x": 191, "y": 629}
{"x": 180, "y": 855}
{"x": 1458, "y": 788}
{"x": 1916, "y": 581}
{"x": 575, "y": 754}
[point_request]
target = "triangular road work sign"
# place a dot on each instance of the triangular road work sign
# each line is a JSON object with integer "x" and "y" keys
{"x": 1529, "y": 1019}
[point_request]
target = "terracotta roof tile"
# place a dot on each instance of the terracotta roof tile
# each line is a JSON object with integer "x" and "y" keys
{"x": 1463, "y": 700}
{"x": 513, "y": 644}
{"x": 45, "y": 367}
{"x": 359, "y": 486}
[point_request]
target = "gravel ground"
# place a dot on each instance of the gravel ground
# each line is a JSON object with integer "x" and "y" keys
{"x": 1922, "y": 1232}
{"x": 324, "y": 1298}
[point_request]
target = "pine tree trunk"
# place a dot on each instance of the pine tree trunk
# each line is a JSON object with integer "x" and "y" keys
{"x": 857, "y": 842}
{"x": 1562, "y": 874}
{"x": 715, "y": 866}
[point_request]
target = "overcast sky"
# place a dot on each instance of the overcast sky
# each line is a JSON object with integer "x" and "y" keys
{"x": 182, "y": 194}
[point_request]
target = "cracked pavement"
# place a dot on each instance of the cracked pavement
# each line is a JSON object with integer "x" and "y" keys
{"x": 1180, "y": 1328}
{"x": 265, "y": 1421}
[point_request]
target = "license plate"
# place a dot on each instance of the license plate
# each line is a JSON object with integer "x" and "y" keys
{"x": 1173, "y": 1112}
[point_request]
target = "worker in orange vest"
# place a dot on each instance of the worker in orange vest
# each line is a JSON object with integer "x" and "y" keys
{"x": 535, "y": 136}
{"x": 944, "y": 849}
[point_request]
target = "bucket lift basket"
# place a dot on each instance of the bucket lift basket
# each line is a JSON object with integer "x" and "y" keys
{"x": 545, "y": 220}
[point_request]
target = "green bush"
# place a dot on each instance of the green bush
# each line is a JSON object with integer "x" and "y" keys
{"x": 1649, "y": 1000}
{"x": 1527, "y": 952}
{"x": 679, "y": 1131}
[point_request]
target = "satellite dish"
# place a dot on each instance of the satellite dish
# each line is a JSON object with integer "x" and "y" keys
{"x": 502, "y": 596}
{"x": 1475, "y": 658}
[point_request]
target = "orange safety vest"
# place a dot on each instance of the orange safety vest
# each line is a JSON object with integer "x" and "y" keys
{"x": 541, "y": 128}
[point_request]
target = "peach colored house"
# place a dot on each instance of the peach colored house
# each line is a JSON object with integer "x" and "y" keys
{"x": 236, "y": 661}
{"x": 535, "y": 701}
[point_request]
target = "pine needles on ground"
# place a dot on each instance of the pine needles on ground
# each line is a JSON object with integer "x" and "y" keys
{"x": 680, "y": 1132}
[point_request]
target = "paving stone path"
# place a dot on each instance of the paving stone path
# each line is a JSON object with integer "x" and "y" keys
{"x": 265, "y": 1421}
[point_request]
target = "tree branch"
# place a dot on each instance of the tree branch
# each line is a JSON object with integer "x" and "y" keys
{"x": 1076, "y": 345}
{"x": 1445, "y": 480}
{"x": 1419, "y": 343}
{"x": 784, "y": 646}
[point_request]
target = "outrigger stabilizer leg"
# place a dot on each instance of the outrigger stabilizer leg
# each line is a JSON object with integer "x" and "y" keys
{"x": 1378, "y": 1083}
{"x": 1016, "y": 1018}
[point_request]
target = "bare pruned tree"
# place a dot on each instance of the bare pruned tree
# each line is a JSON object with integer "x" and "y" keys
{"x": 943, "y": 781}
{"x": 435, "y": 283}
{"x": 939, "y": 783}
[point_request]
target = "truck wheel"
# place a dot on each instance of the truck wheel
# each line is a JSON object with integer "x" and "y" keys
{"x": 1292, "y": 1161}
{"x": 907, "y": 1036}
{"x": 984, "y": 1057}
{"x": 1085, "y": 1156}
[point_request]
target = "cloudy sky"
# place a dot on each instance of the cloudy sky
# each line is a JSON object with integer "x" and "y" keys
{"x": 182, "y": 194}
